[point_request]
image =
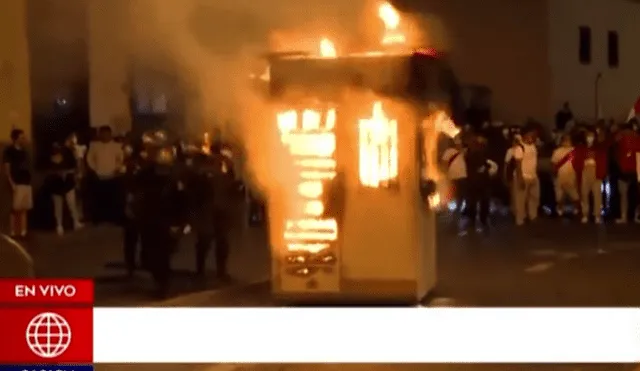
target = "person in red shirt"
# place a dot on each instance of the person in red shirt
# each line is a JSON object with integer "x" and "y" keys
{"x": 590, "y": 163}
{"x": 627, "y": 142}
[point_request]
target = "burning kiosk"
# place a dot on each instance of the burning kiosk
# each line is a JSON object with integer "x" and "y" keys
{"x": 354, "y": 223}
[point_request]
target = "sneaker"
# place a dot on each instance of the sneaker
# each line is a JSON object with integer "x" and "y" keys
{"x": 622, "y": 220}
{"x": 585, "y": 220}
{"x": 559, "y": 211}
{"x": 598, "y": 220}
{"x": 60, "y": 230}
{"x": 637, "y": 220}
{"x": 78, "y": 225}
{"x": 23, "y": 234}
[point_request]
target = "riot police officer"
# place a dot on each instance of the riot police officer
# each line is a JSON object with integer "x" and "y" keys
{"x": 480, "y": 170}
{"x": 162, "y": 216}
{"x": 214, "y": 191}
{"x": 136, "y": 159}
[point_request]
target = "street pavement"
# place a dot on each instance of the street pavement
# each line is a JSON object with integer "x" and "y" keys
{"x": 548, "y": 263}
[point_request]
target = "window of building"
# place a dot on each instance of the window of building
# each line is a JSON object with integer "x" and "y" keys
{"x": 612, "y": 49}
{"x": 585, "y": 45}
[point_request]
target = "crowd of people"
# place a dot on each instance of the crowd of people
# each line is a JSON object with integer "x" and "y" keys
{"x": 155, "y": 189}
{"x": 593, "y": 172}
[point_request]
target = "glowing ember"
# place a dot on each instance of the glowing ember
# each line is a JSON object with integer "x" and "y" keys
{"x": 206, "y": 143}
{"x": 391, "y": 18}
{"x": 312, "y": 143}
{"x": 378, "y": 146}
{"x": 444, "y": 124}
{"x": 327, "y": 49}
{"x": 434, "y": 200}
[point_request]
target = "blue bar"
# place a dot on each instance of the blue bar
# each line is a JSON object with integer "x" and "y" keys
{"x": 45, "y": 367}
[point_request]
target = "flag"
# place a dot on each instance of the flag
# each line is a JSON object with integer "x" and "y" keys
{"x": 635, "y": 110}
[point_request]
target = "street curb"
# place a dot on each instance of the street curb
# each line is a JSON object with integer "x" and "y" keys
{"x": 180, "y": 301}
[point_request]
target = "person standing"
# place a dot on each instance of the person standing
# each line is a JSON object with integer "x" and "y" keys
{"x": 162, "y": 218}
{"x": 565, "y": 176}
{"x": 526, "y": 185}
{"x": 105, "y": 158}
{"x": 453, "y": 160}
{"x": 590, "y": 163}
{"x": 214, "y": 190}
{"x": 18, "y": 170}
{"x": 563, "y": 117}
{"x": 480, "y": 169}
{"x": 625, "y": 159}
{"x": 64, "y": 166}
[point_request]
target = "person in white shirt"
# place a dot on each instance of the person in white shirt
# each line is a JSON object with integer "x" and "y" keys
{"x": 453, "y": 160}
{"x": 565, "y": 175}
{"x": 105, "y": 158}
{"x": 526, "y": 185}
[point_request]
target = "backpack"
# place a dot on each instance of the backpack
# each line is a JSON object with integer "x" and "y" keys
{"x": 510, "y": 167}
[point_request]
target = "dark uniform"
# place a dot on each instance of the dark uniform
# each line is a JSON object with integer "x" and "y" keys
{"x": 479, "y": 177}
{"x": 214, "y": 191}
{"x": 135, "y": 162}
{"x": 161, "y": 217}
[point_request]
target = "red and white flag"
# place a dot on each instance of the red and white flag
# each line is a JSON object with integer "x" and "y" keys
{"x": 635, "y": 110}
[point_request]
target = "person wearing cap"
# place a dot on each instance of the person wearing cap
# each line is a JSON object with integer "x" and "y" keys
{"x": 565, "y": 183}
{"x": 453, "y": 160}
{"x": 480, "y": 170}
{"x": 590, "y": 163}
{"x": 526, "y": 185}
{"x": 162, "y": 216}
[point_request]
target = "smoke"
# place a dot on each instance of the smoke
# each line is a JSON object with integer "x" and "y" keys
{"x": 211, "y": 46}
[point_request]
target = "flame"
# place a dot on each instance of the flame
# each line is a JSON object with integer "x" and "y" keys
{"x": 311, "y": 141}
{"x": 378, "y": 148}
{"x": 435, "y": 124}
{"x": 206, "y": 143}
{"x": 445, "y": 125}
{"x": 327, "y": 49}
{"x": 391, "y": 19}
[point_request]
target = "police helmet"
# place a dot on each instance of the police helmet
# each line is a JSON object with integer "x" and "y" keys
{"x": 155, "y": 137}
{"x": 165, "y": 156}
{"x": 128, "y": 150}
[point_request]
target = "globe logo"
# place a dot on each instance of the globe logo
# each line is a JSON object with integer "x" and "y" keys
{"x": 48, "y": 335}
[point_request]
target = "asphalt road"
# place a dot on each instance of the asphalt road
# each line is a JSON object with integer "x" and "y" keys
{"x": 548, "y": 263}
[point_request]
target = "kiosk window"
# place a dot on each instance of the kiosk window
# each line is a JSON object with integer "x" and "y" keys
{"x": 378, "y": 149}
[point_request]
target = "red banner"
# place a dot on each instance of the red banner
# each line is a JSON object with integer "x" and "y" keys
{"x": 46, "y": 292}
{"x": 46, "y": 321}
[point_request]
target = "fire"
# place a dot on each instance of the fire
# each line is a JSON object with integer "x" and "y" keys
{"x": 391, "y": 19}
{"x": 206, "y": 143}
{"x": 378, "y": 148}
{"x": 311, "y": 140}
{"x": 327, "y": 49}
{"x": 434, "y": 125}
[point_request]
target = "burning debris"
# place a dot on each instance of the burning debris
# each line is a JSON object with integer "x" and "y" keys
{"x": 348, "y": 122}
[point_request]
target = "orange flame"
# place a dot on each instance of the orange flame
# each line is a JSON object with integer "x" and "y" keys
{"x": 391, "y": 19}
{"x": 312, "y": 143}
{"x": 378, "y": 148}
{"x": 327, "y": 49}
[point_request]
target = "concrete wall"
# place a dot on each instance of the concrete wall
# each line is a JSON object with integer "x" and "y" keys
{"x": 15, "y": 97}
{"x": 109, "y": 64}
{"x": 575, "y": 82}
{"x": 501, "y": 44}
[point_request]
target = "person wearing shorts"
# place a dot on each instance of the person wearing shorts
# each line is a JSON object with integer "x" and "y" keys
{"x": 17, "y": 168}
